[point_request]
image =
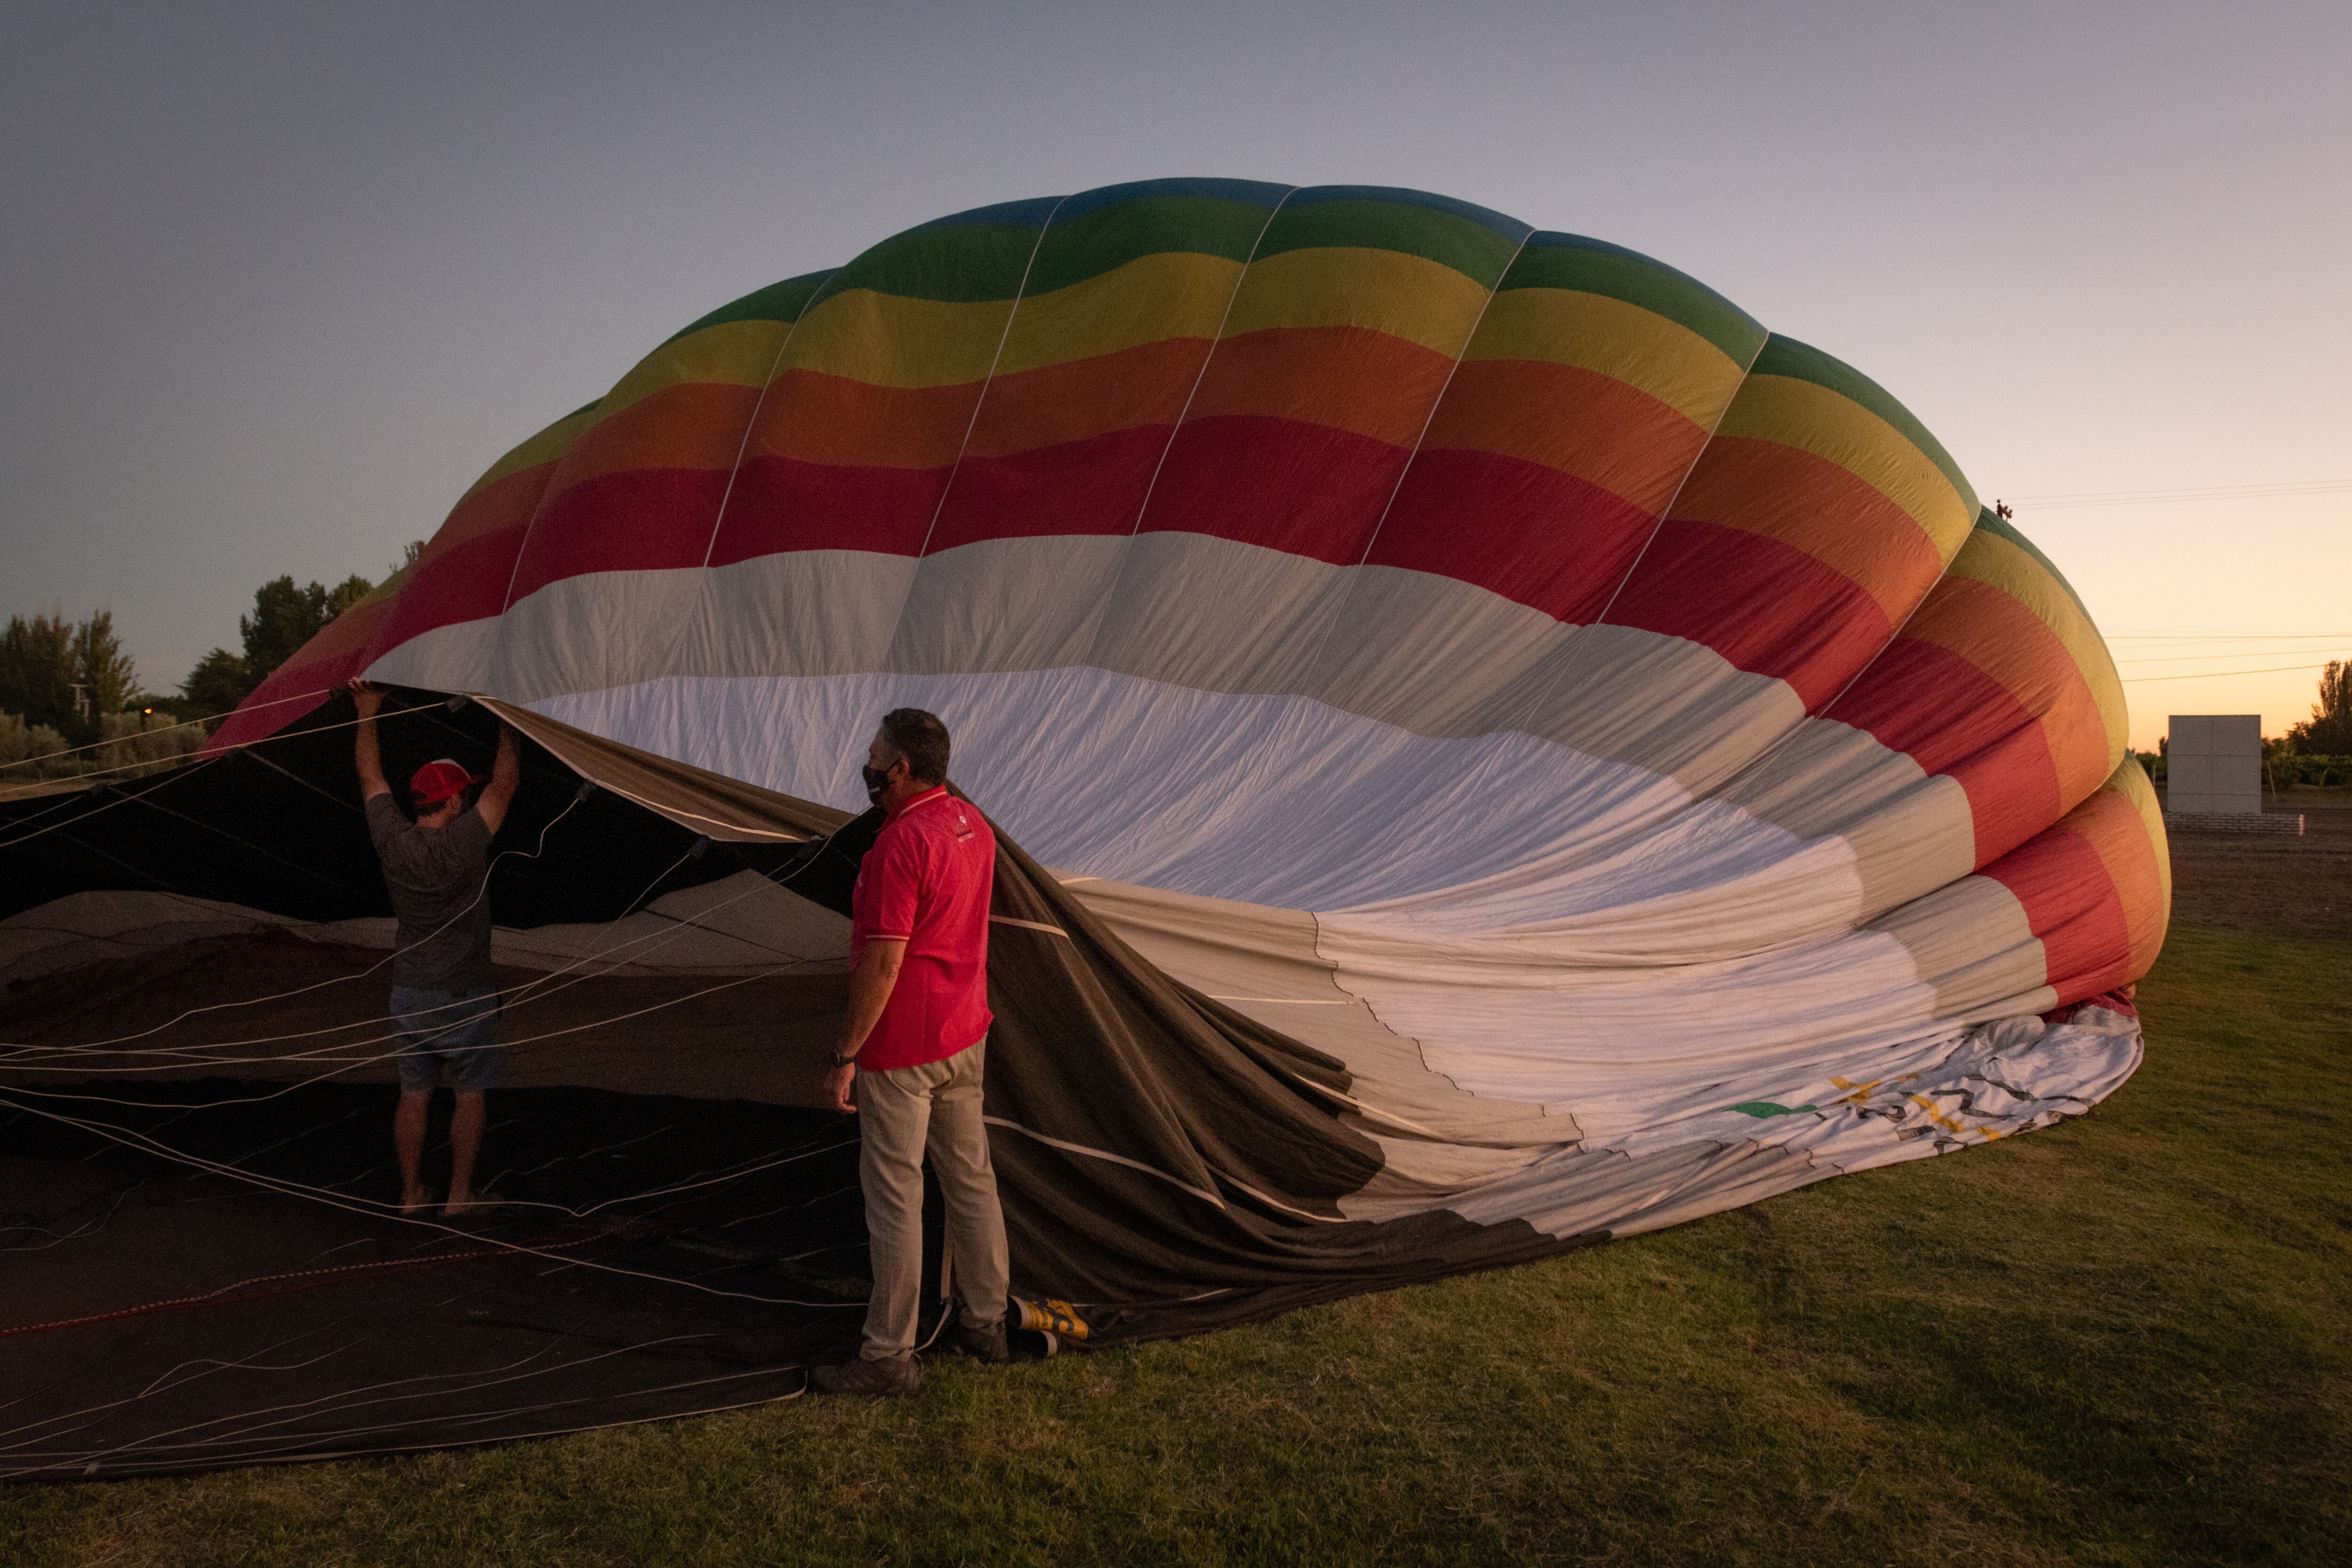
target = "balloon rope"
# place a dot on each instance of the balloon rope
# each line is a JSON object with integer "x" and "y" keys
{"x": 134, "y": 767}
{"x": 71, "y": 797}
{"x": 202, "y": 1054}
{"x": 121, "y": 740}
{"x": 311, "y": 1280}
{"x": 142, "y": 1144}
{"x": 481, "y": 893}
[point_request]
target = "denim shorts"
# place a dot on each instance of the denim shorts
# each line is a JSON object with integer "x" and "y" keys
{"x": 448, "y": 1037}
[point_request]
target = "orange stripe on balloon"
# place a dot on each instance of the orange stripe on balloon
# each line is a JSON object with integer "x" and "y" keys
{"x": 1082, "y": 400}
{"x": 1816, "y": 505}
{"x": 1345, "y": 378}
{"x": 834, "y": 422}
{"x": 1577, "y": 421}
{"x": 2111, "y": 825}
{"x": 2013, "y": 646}
{"x": 698, "y": 425}
{"x": 504, "y": 503}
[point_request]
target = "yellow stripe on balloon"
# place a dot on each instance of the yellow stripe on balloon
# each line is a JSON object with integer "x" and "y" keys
{"x": 888, "y": 339}
{"x": 2131, "y": 782}
{"x": 1170, "y": 294}
{"x": 732, "y": 353}
{"x": 2114, "y": 823}
{"x": 547, "y": 447}
{"x": 1409, "y": 297}
{"x": 1812, "y": 418}
{"x": 1990, "y": 559}
{"x": 1626, "y": 342}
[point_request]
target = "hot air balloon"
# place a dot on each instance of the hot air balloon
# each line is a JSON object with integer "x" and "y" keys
{"x": 1503, "y": 750}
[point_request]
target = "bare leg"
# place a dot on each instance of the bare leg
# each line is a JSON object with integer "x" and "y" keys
{"x": 408, "y": 1142}
{"x": 464, "y": 1142}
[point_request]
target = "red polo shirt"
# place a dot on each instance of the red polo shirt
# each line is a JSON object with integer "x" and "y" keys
{"x": 926, "y": 882}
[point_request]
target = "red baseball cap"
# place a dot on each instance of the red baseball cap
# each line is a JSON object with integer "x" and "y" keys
{"x": 438, "y": 780}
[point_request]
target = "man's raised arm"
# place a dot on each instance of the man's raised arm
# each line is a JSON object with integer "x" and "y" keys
{"x": 506, "y": 777}
{"x": 369, "y": 700}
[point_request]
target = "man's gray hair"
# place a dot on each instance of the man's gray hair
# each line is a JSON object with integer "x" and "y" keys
{"x": 921, "y": 739}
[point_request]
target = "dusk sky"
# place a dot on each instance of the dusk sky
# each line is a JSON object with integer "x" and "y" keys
{"x": 281, "y": 280}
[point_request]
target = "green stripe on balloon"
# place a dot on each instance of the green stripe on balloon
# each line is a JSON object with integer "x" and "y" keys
{"x": 1802, "y": 362}
{"x": 1594, "y": 267}
{"x": 1473, "y": 249}
{"x": 1094, "y": 243}
{"x": 959, "y": 264}
{"x": 1994, "y": 524}
{"x": 780, "y": 302}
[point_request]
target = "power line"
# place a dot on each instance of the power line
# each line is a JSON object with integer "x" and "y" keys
{"x": 2217, "y": 674}
{"x": 2183, "y": 493}
{"x": 2182, "y": 657}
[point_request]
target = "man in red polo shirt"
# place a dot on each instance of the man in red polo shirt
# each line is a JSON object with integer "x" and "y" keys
{"x": 912, "y": 1048}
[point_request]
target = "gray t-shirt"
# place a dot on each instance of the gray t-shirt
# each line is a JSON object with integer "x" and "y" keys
{"x": 433, "y": 874}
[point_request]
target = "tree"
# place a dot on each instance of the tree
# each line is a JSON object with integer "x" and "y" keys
{"x": 104, "y": 670}
{"x": 285, "y": 617}
{"x": 2329, "y": 732}
{"x": 36, "y": 669}
{"x": 64, "y": 676}
{"x": 218, "y": 683}
{"x": 346, "y": 593}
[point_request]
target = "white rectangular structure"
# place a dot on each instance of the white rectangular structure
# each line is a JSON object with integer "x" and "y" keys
{"x": 2213, "y": 765}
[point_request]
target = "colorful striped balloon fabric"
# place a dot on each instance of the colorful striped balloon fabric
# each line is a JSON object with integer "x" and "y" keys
{"x": 1483, "y": 654}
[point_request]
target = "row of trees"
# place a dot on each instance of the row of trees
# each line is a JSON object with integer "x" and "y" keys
{"x": 65, "y": 684}
{"x": 57, "y": 675}
{"x": 2328, "y": 732}
{"x": 284, "y": 617}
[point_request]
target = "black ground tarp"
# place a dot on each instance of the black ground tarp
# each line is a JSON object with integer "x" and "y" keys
{"x": 204, "y": 1272}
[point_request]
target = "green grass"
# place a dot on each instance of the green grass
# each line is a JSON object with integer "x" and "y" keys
{"x": 2122, "y": 1339}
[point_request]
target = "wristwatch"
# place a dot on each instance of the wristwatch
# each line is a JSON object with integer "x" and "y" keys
{"x": 841, "y": 1061}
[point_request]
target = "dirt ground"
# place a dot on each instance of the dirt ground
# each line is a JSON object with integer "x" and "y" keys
{"x": 2300, "y": 886}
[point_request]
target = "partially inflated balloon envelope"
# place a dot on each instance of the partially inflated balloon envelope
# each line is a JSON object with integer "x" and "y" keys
{"x": 1632, "y": 717}
{"x": 1610, "y": 738}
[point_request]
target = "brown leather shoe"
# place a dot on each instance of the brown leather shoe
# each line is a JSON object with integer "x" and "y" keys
{"x": 986, "y": 1345}
{"x": 874, "y": 1379}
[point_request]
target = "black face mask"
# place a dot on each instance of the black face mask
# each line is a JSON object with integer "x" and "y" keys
{"x": 877, "y": 781}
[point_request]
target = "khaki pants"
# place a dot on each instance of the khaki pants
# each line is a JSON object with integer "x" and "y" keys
{"x": 900, "y": 1112}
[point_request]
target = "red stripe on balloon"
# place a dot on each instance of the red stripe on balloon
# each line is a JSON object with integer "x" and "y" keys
{"x": 781, "y": 504}
{"x": 1305, "y": 489}
{"x": 1766, "y": 607}
{"x": 2072, "y": 905}
{"x": 1953, "y": 719}
{"x": 1812, "y": 504}
{"x": 1528, "y": 532}
{"x": 642, "y": 521}
{"x": 465, "y": 581}
{"x": 1577, "y": 421}
{"x": 1090, "y": 486}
